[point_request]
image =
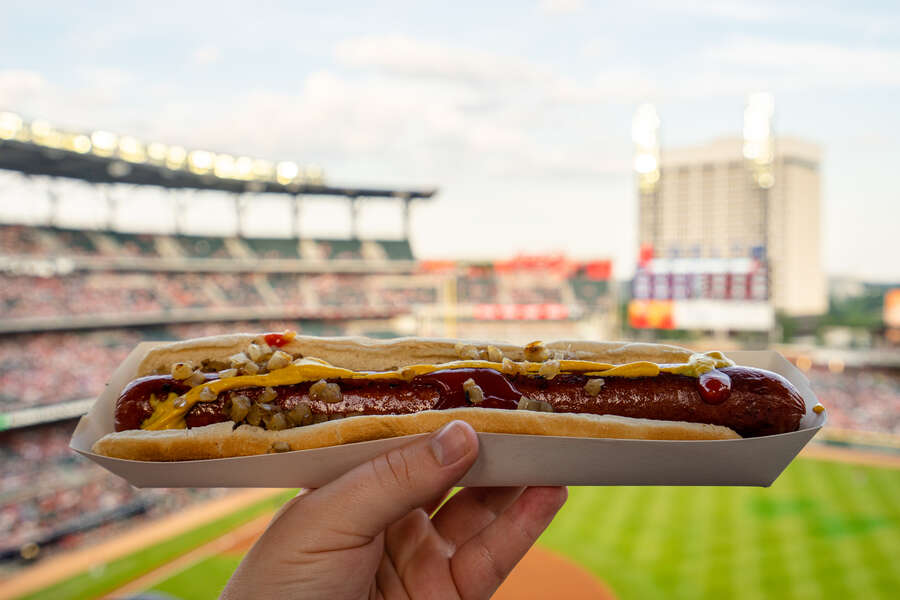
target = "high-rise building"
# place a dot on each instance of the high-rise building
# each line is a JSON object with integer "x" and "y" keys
{"x": 729, "y": 199}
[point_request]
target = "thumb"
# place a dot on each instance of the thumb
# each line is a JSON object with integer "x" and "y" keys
{"x": 379, "y": 492}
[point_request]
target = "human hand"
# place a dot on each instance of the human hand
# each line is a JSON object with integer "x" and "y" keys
{"x": 368, "y": 534}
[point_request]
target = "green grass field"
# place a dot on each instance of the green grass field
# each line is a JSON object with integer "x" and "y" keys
{"x": 824, "y": 530}
{"x": 100, "y": 581}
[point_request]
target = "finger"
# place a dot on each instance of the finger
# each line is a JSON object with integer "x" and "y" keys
{"x": 412, "y": 537}
{"x": 435, "y": 504}
{"x": 388, "y": 580}
{"x": 481, "y": 564}
{"x": 289, "y": 504}
{"x": 366, "y": 500}
{"x": 471, "y": 510}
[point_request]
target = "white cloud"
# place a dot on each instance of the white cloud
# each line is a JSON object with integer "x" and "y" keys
{"x": 19, "y": 88}
{"x": 736, "y": 10}
{"x": 106, "y": 77}
{"x": 611, "y": 85}
{"x": 206, "y": 55}
{"x": 426, "y": 126}
{"x": 411, "y": 57}
{"x": 817, "y": 64}
{"x": 559, "y": 7}
{"x": 99, "y": 97}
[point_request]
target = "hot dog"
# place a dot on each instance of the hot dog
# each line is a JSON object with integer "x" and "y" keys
{"x": 252, "y": 394}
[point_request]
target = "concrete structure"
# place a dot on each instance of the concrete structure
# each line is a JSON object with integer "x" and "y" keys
{"x": 707, "y": 204}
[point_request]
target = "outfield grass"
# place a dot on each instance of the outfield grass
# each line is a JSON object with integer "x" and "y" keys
{"x": 194, "y": 583}
{"x": 824, "y": 530}
{"x": 113, "y": 575}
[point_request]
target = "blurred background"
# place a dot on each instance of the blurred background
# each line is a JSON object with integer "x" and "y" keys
{"x": 708, "y": 173}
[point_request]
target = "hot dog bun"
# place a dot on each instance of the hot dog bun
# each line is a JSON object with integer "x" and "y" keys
{"x": 222, "y": 440}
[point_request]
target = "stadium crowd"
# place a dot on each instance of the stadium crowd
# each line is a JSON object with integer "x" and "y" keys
{"x": 54, "y": 367}
{"x": 25, "y": 240}
{"x": 52, "y": 499}
{"x": 46, "y": 368}
{"x": 103, "y": 293}
{"x": 859, "y": 398}
{"x": 111, "y": 292}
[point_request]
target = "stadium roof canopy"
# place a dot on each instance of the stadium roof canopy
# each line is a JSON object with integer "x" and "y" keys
{"x": 37, "y": 148}
{"x": 33, "y": 159}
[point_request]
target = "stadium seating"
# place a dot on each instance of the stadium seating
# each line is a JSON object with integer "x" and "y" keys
{"x": 397, "y": 249}
{"x": 75, "y": 241}
{"x": 477, "y": 289}
{"x": 54, "y": 241}
{"x": 52, "y": 499}
{"x": 589, "y": 291}
{"x": 273, "y": 248}
{"x": 341, "y": 249}
{"x": 134, "y": 244}
{"x": 20, "y": 239}
{"x": 197, "y": 246}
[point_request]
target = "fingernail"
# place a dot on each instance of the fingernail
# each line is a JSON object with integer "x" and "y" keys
{"x": 450, "y": 443}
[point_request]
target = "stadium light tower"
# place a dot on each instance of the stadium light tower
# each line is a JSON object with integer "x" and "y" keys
{"x": 645, "y": 134}
{"x": 759, "y": 151}
{"x": 759, "y": 146}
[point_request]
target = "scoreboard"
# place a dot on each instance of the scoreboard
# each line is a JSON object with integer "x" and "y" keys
{"x": 710, "y": 279}
{"x": 716, "y": 294}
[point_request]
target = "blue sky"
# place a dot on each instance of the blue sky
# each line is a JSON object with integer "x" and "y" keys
{"x": 519, "y": 112}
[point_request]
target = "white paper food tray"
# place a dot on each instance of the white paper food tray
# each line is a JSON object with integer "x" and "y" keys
{"x": 504, "y": 459}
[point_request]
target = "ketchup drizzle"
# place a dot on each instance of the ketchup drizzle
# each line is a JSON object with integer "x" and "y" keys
{"x": 276, "y": 340}
{"x": 715, "y": 387}
{"x": 498, "y": 391}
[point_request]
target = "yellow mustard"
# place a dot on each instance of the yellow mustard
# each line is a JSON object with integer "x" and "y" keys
{"x": 169, "y": 414}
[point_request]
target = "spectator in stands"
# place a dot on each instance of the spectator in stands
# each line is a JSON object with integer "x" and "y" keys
{"x": 54, "y": 498}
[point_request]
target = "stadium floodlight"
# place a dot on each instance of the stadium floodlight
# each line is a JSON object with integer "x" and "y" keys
{"x": 132, "y": 150}
{"x": 758, "y": 138}
{"x": 79, "y": 143}
{"x": 645, "y": 163}
{"x": 286, "y": 172}
{"x": 224, "y": 166}
{"x": 104, "y": 142}
{"x": 128, "y": 149}
{"x": 200, "y": 161}
{"x": 175, "y": 157}
{"x": 314, "y": 174}
{"x": 43, "y": 133}
{"x": 10, "y": 125}
{"x": 645, "y": 134}
{"x": 157, "y": 152}
{"x": 40, "y": 130}
{"x": 263, "y": 169}
{"x": 243, "y": 168}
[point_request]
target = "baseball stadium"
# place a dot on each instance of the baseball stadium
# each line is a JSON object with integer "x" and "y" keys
{"x": 75, "y": 301}
{"x": 529, "y": 172}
